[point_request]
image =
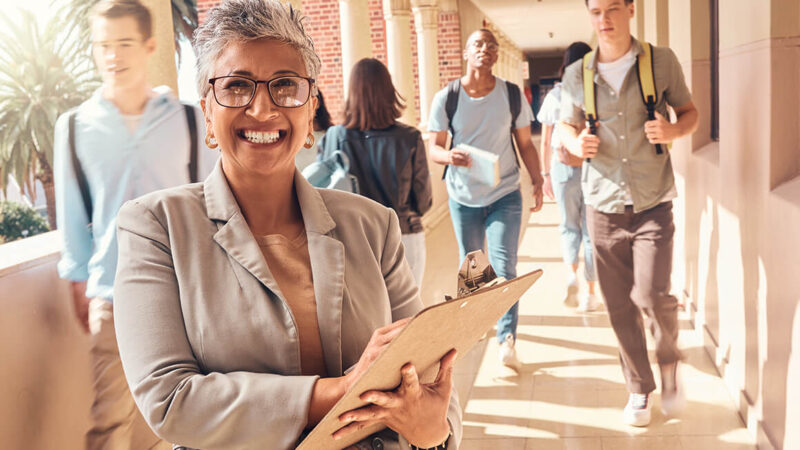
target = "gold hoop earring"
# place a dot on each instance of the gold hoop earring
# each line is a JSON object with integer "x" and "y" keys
{"x": 211, "y": 142}
{"x": 309, "y": 141}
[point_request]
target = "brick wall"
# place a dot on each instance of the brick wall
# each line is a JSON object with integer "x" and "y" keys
{"x": 377, "y": 30}
{"x": 322, "y": 25}
{"x": 324, "y": 28}
{"x": 450, "y": 51}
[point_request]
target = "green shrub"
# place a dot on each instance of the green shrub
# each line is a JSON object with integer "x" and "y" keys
{"x": 18, "y": 221}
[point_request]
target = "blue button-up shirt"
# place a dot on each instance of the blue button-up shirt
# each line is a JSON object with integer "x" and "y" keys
{"x": 119, "y": 166}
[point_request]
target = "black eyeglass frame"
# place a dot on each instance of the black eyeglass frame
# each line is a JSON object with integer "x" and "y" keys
{"x": 266, "y": 83}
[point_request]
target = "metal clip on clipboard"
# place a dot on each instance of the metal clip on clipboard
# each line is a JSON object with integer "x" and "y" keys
{"x": 475, "y": 273}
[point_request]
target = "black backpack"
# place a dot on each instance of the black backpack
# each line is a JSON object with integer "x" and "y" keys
{"x": 451, "y": 104}
{"x": 83, "y": 184}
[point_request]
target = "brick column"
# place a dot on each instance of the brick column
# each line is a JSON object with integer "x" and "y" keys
{"x": 449, "y": 39}
{"x": 162, "y": 69}
{"x": 355, "y": 26}
{"x": 397, "y": 14}
{"x": 426, "y": 20}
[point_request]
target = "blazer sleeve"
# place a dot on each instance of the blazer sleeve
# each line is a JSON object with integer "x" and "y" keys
{"x": 182, "y": 404}
{"x": 404, "y": 296}
{"x": 421, "y": 179}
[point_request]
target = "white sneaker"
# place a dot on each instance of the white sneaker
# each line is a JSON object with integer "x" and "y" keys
{"x": 508, "y": 355}
{"x": 637, "y": 411}
{"x": 588, "y": 302}
{"x": 673, "y": 395}
{"x": 571, "y": 298}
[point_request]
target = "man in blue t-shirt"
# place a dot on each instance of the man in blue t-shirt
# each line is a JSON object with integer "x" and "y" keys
{"x": 479, "y": 210}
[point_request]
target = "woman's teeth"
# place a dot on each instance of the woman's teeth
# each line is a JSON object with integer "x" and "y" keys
{"x": 262, "y": 137}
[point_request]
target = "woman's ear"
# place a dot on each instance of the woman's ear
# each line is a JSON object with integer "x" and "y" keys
{"x": 206, "y": 117}
{"x": 314, "y": 106}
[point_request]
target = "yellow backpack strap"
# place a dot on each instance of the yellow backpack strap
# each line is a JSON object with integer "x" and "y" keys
{"x": 589, "y": 92}
{"x": 589, "y": 95}
{"x": 647, "y": 83}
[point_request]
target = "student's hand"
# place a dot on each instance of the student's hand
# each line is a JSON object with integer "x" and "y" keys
{"x": 416, "y": 411}
{"x": 660, "y": 131}
{"x": 588, "y": 143}
{"x": 80, "y": 304}
{"x": 538, "y": 198}
{"x": 547, "y": 188}
{"x": 380, "y": 339}
{"x": 459, "y": 157}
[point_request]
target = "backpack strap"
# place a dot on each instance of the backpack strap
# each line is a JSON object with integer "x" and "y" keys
{"x": 589, "y": 94}
{"x": 515, "y": 104}
{"x": 83, "y": 183}
{"x": 192, "y": 123}
{"x": 647, "y": 84}
{"x": 450, "y": 106}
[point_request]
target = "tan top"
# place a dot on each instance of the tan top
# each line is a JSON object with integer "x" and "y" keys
{"x": 290, "y": 265}
{"x": 625, "y": 162}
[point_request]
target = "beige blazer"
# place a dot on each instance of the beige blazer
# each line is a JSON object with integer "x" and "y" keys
{"x": 208, "y": 344}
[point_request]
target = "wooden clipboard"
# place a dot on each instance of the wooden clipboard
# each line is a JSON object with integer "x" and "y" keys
{"x": 459, "y": 323}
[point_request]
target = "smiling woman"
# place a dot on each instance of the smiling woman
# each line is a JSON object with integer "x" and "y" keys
{"x": 249, "y": 304}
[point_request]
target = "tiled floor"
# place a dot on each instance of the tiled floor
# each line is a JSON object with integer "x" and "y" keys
{"x": 570, "y": 392}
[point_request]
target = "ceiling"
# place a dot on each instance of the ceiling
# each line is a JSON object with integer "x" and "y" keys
{"x": 539, "y": 26}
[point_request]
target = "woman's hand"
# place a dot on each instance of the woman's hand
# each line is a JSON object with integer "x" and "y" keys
{"x": 380, "y": 339}
{"x": 417, "y": 412}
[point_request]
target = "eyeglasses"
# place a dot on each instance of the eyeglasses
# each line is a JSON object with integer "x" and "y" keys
{"x": 238, "y": 92}
{"x": 491, "y": 46}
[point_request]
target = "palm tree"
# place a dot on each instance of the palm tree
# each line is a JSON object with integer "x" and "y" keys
{"x": 43, "y": 73}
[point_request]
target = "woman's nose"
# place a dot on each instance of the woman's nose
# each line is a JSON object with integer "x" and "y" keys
{"x": 262, "y": 107}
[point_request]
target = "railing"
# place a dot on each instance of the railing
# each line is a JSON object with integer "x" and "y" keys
{"x": 45, "y": 388}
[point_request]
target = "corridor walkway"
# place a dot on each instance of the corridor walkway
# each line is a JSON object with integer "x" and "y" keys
{"x": 571, "y": 391}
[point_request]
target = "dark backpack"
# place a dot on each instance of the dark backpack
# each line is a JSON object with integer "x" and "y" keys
{"x": 83, "y": 184}
{"x": 451, "y": 104}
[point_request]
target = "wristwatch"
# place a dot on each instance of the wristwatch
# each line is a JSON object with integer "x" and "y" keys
{"x": 545, "y": 174}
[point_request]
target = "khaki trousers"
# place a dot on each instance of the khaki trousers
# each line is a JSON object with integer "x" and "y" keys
{"x": 116, "y": 422}
{"x": 633, "y": 258}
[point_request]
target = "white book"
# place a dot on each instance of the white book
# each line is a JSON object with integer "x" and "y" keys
{"x": 485, "y": 165}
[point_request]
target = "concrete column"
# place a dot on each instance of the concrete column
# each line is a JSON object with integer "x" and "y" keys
{"x": 426, "y": 20}
{"x": 503, "y": 58}
{"x": 356, "y": 44}
{"x": 398, "y": 53}
{"x": 162, "y": 69}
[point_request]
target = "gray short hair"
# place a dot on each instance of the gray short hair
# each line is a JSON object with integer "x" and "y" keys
{"x": 250, "y": 20}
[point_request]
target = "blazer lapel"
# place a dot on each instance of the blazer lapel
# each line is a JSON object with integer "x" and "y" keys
{"x": 233, "y": 234}
{"x": 327, "y": 256}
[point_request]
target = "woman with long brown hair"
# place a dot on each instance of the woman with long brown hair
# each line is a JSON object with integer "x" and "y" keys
{"x": 387, "y": 157}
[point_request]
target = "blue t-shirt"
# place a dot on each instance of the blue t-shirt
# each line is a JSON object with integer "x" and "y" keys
{"x": 483, "y": 123}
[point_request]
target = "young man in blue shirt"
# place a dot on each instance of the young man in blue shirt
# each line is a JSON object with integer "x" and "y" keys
{"x": 482, "y": 211}
{"x": 129, "y": 139}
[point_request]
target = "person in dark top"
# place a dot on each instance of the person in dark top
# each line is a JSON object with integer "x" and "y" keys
{"x": 387, "y": 157}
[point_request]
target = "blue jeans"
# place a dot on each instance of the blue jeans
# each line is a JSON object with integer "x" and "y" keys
{"x": 567, "y": 189}
{"x": 499, "y": 224}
